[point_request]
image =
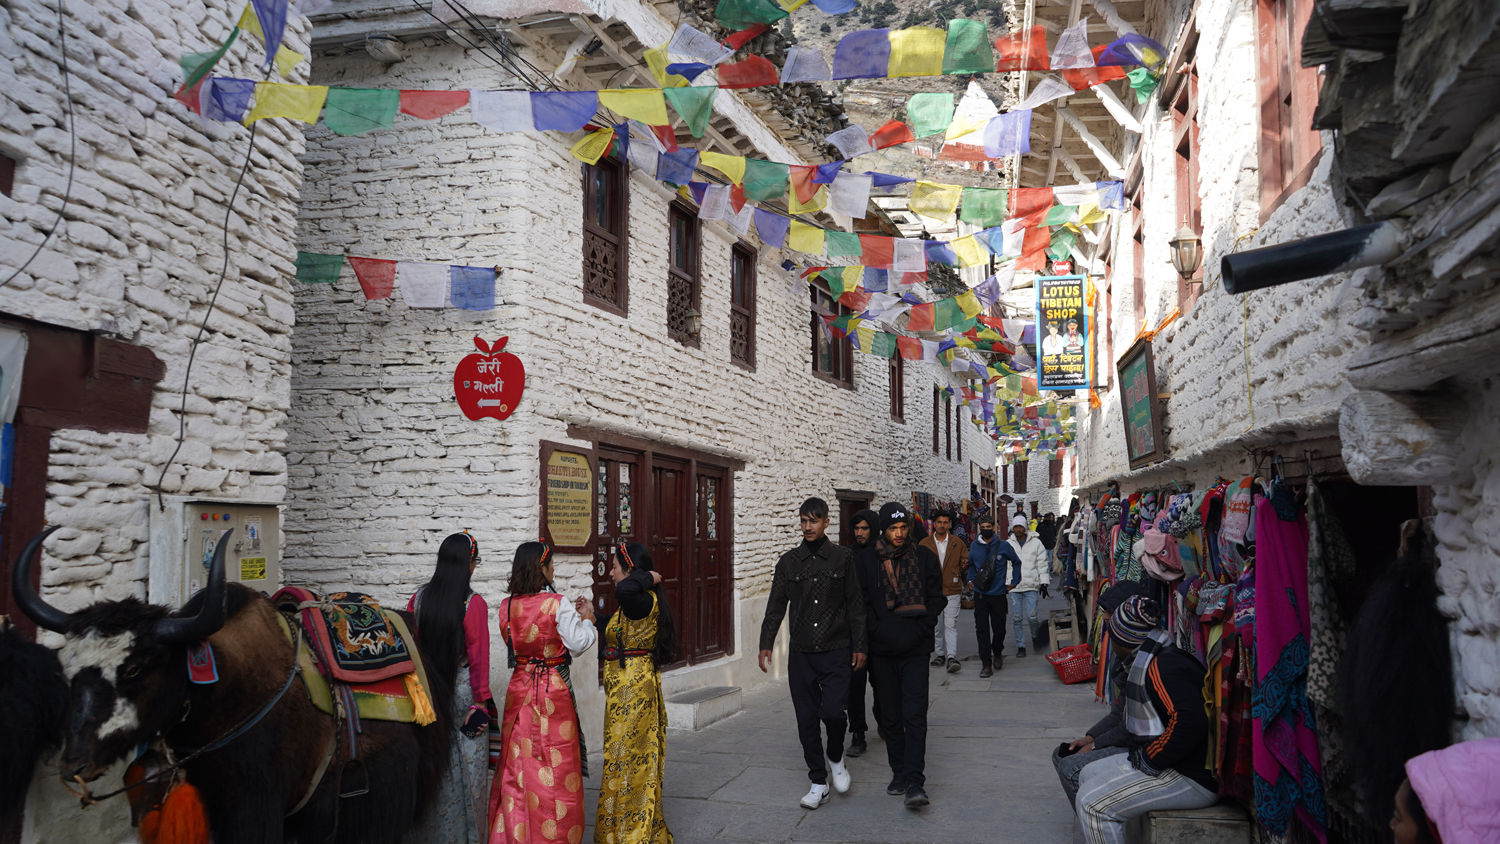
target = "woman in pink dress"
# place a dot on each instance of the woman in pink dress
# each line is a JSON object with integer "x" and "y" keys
{"x": 537, "y": 794}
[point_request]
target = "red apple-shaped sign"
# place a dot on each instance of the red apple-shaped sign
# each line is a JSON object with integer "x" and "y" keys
{"x": 489, "y": 384}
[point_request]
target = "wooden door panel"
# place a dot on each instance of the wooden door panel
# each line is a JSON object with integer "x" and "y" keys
{"x": 668, "y": 539}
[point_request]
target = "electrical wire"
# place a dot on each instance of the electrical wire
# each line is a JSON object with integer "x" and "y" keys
{"x": 62, "y": 46}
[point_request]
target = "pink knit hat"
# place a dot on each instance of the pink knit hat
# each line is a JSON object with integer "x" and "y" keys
{"x": 1459, "y": 787}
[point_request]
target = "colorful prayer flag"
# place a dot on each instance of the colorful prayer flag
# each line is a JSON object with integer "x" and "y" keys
{"x": 892, "y": 133}
{"x": 354, "y": 111}
{"x": 423, "y": 285}
{"x": 430, "y": 105}
{"x": 377, "y": 278}
{"x": 472, "y": 288}
{"x": 805, "y": 238}
{"x": 865, "y": 54}
{"x": 298, "y": 102}
{"x": 765, "y": 180}
{"x": 563, "y": 111}
{"x": 929, "y": 113}
{"x": 935, "y": 201}
{"x": 317, "y": 268}
{"x": 968, "y": 48}
{"x": 1024, "y": 49}
{"x": 751, "y": 72}
{"x": 643, "y": 104}
{"x": 592, "y": 146}
{"x": 695, "y": 104}
{"x": 732, "y": 166}
{"x": 916, "y": 51}
{"x": 983, "y": 206}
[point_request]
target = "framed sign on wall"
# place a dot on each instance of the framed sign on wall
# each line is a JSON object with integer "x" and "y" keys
{"x": 1139, "y": 405}
{"x": 568, "y": 497}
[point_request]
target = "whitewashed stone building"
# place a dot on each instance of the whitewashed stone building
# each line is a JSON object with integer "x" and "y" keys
{"x": 110, "y": 305}
{"x": 701, "y": 447}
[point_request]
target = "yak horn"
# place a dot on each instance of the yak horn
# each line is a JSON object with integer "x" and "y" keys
{"x": 210, "y": 617}
{"x": 44, "y": 614}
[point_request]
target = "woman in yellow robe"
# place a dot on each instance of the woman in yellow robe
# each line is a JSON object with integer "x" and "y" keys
{"x": 639, "y": 638}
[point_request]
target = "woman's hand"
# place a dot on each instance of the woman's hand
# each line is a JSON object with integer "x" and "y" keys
{"x": 585, "y": 608}
{"x": 477, "y": 722}
{"x": 655, "y": 578}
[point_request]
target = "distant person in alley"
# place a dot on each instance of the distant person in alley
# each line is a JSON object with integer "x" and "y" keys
{"x": 818, "y": 581}
{"x": 953, "y": 558}
{"x": 1028, "y": 546}
{"x": 865, "y": 528}
{"x": 994, "y": 567}
{"x": 903, "y": 589}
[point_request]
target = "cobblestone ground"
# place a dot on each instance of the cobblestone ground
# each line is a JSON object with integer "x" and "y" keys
{"x": 988, "y": 769}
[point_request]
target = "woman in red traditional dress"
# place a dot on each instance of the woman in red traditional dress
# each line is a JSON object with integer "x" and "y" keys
{"x": 537, "y": 794}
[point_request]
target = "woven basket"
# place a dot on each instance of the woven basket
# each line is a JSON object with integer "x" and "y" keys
{"x": 1074, "y": 665}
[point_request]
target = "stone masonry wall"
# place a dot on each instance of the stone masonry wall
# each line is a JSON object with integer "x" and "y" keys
{"x": 136, "y": 259}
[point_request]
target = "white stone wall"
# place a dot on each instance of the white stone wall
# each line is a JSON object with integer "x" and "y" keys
{"x": 136, "y": 259}
{"x": 383, "y": 464}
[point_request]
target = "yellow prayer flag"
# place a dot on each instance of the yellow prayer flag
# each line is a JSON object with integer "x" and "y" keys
{"x": 917, "y": 51}
{"x": 1090, "y": 212}
{"x": 732, "y": 166}
{"x": 962, "y": 126}
{"x": 964, "y": 342}
{"x": 656, "y": 62}
{"x": 287, "y": 61}
{"x": 866, "y": 336}
{"x": 969, "y": 252}
{"x": 968, "y": 302}
{"x": 299, "y": 102}
{"x": 931, "y": 199}
{"x": 818, "y": 202}
{"x": 249, "y": 22}
{"x": 644, "y": 104}
{"x": 853, "y": 278}
{"x": 592, "y": 147}
{"x": 805, "y": 238}
{"x": 790, "y": 5}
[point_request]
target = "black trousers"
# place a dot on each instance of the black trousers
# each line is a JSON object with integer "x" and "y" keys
{"x": 901, "y": 691}
{"x": 859, "y": 681}
{"x": 820, "y": 691}
{"x": 989, "y": 625}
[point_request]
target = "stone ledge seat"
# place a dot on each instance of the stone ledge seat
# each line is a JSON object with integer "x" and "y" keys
{"x": 1222, "y": 823}
{"x": 698, "y": 708}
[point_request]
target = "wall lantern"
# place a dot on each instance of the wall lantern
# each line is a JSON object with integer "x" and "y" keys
{"x": 1187, "y": 252}
{"x": 694, "y": 324}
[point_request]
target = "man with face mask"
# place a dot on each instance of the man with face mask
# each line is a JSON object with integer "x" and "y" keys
{"x": 865, "y": 525}
{"x": 993, "y": 555}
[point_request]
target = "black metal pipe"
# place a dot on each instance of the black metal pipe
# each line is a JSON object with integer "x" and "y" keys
{"x": 1350, "y": 249}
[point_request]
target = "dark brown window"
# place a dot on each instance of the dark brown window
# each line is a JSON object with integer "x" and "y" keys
{"x": 742, "y": 304}
{"x": 936, "y": 443}
{"x": 7, "y": 174}
{"x": 1054, "y": 473}
{"x": 606, "y": 226}
{"x": 1189, "y": 203}
{"x": 1139, "y": 259}
{"x": 959, "y": 425}
{"x": 1288, "y": 96}
{"x": 1073, "y": 470}
{"x": 896, "y": 371}
{"x": 1004, "y": 478}
{"x": 832, "y": 357}
{"x": 1033, "y": 509}
{"x": 683, "y": 289}
{"x": 947, "y": 427}
{"x": 1020, "y": 467}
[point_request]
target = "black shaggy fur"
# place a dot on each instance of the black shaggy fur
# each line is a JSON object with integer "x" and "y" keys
{"x": 34, "y": 700}
{"x": 1397, "y": 693}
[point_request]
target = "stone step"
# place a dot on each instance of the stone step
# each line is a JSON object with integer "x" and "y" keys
{"x": 698, "y": 708}
{"x": 1225, "y": 823}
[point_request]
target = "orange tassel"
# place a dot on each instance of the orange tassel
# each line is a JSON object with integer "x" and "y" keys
{"x": 181, "y": 819}
{"x": 150, "y": 826}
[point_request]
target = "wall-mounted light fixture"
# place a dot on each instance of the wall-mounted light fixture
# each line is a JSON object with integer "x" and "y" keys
{"x": 694, "y": 324}
{"x": 1187, "y": 251}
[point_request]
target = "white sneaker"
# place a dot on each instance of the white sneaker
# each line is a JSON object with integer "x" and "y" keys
{"x": 840, "y": 776}
{"x": 816, "y": 796}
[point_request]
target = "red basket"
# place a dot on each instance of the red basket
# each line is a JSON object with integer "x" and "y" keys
{"x": 1074, "y": 665}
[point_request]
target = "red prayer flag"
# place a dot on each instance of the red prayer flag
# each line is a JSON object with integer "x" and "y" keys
{"x": 877, "y": 250}
{"x": 1088, "y": 77}
{"x": 737, "y": 40}
{"x": 892, "y": 133}
{"x": 922, "y": 315}
{"x": 189, "y": 96}
{"x": 737, "y": 199}
{"x": 914, "y": 278}
{"x": 810, "y": 270}
{"x": 1023, "y": 50}
{"x": 856, "y": 300}
{"x": 1027, "y": 201}
{"x": 1034, "y": 248}
{"x": 909, "y": 347}
{"x": 802, "y": 181}
{"x": 993, "y": 322}
{"x": 1028, "y": 386}
{"x": 430, "y": 105}
{"x": 667, "y": 135}
{"x": 376, "y": 277}
{"x": 753, "y": 72}
{"x": 962, "y": 152}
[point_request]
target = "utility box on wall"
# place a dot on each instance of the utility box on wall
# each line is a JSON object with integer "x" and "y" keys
{"x": 185, "y": 533}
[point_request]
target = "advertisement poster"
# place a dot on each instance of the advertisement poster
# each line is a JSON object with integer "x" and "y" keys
{"x": 570, "y": 499}
{"x": 1061, "y": 333}
{"x": 1142, "y": 414}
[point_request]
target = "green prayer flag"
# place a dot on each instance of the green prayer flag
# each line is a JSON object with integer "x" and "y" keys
{"x": 841, "y": 243}
{"x": 1143, "y": 81}
{"x": 983, "y": 207}
{"x": 765, "y": 179}
{"x": 695, "y": 104}
{"x": 1062, "y": 243}
{"x": 743, "y": 14}
{"x": 968, "y": 48}
{"x": 929, "y": 114}
{"x": 837, "y": 284}
{"x": 195, "y": 66}
{"x": 1059, "y": 214}
{"x": 946, "y": 314}
{"x": 883, "y": 345}
{"x": 316, "y": 268}
{"x": 352, "y": 111}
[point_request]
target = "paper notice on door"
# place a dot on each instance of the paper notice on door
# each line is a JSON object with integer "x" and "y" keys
{"x": 252, "y": 533}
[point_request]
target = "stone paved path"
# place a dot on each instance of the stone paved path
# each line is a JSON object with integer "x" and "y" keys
{"x": 988, "y": 769}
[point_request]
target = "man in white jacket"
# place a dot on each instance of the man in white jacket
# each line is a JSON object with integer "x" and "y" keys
{"x": 1028, "y": 546}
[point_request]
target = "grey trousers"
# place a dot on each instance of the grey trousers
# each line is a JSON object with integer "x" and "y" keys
{"x": 1111, "y": 792}
{"x": 1069, "y": 767}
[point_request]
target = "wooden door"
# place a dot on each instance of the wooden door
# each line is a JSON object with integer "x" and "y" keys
{"x": 848, "y": 507}
{"x": 669, "y": 536}
{"x": 617, "y": 490}
{"x": 709, "y": 578}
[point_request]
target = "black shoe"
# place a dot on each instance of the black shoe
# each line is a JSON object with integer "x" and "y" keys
{"x": 986, "y": 672}
{"x": 1020, "y": 653}
{"x": 936, "y": 661}
{"x": 897, "y": 786}
{"x": 954, "y": 666}
{"x": 916, "y": 798}
{"x": 857, "y": 747}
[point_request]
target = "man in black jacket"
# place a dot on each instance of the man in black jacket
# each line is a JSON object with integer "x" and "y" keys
{"x": 903, "y": 590}
{"x": 827, "y": 631}
{"x": 865, "y": 528}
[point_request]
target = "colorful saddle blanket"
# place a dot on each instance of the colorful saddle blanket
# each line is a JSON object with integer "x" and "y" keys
{"x": 352, "y": 636}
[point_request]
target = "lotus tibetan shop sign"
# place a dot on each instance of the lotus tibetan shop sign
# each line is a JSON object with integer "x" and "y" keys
{"x": 1061, "y": 333}
{"x": 489, "y": 384}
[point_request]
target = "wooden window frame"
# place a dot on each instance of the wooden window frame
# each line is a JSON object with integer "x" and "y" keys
{"x": 1289, "y": 147}
{"x": 1184, "y": 110}
{"x": 619, "y": 208}
{"x": 1021, "y": 467}
{"x": 842, "y": 354}
{"x": 1005, "y": 478}
{"x": 690, "y": 275}
{"x": 896, "y": 374}
{"x": 958, "y": 425}
{"x": 947, "y": 427}
{"x": 744, "y": 309}
{"x": 1138, "y": 258}
{"x": 1054, "y": 473}
{"x": 937, "y": 442}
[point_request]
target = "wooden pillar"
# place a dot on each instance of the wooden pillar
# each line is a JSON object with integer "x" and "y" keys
{"x": 1401, "y": 439}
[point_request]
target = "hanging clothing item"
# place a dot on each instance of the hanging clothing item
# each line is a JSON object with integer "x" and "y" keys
{"x": 1329, "y": 558}
{"x": 1288, "y": 765}
{"x": 635, "y": 735}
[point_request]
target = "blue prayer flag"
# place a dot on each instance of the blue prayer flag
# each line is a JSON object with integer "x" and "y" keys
{"x": 827, "y": 172}
{"x": 865, "y": 54}
{"x": 677, "y": 167}
{"x": 835, "y": 7}
{"x": 272, "y": 17}
{"x": 939, "y": 251}
{"x": 772, "y": 229}
{"x": 472, "y": 288}
{"x": 563, "y": 111}
{"x": 228, "y": 99}
{"x": 886, "y": 180}
{"x": 687, "y": 70}
{"x": 875, "y": 280}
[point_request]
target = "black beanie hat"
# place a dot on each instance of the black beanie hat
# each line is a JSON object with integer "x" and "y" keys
{"x": 892, "y": 512}
{"x": 866, "y": 515}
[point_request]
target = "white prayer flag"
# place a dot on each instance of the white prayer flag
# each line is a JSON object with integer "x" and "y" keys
{"x": 1072, "y": 48}
{"x": 1075, "y": 194}
{"x": 1047, "y": 89}
{"x": 690, "y": 43}
{"x": 741, "y": 222}
{"x": 804, "y": 65}
{"x": 501, "y": 111}
{"x": 715, "y": 203}
{"x": 850, "y": 194}
{"x": 909, "y": 256}
{"x": 929, "y": 351}
{"x": 643, "y": 156}
{"x": 852, "y": 141}
{"x": 423, "y": 285}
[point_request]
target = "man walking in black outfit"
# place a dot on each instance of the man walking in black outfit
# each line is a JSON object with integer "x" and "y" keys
{"x": 827, "y": 631}
{"x": 866, "y": 524}
{"x": 991, "y": 555}
{"x": 903, "y": 590}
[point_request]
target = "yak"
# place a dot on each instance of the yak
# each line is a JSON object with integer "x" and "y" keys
{"x": 126, "y": 664}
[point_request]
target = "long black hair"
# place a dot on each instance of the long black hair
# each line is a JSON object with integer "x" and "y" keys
{"x": 526, "y": 577}
{"x": 667, "y": 649}
{"x": 441, "y": 608}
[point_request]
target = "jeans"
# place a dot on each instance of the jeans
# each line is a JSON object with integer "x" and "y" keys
{"x": 1023, "y": 609}
{"x": 901, "y": 689}
{"x": 945, "y": 636}
{"x": 1111, "y": 792}
{"x": 1070, "y": 767}
{"x": 989, "y": 626}
{"x": 820, "y": 690}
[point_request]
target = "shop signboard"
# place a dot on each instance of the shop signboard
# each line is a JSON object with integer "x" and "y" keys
{"x": 568, "y": 478}
{"x": 489, "y": 383}
{"x": 1140, "y": 407}
{"x": 1061, "y": 333}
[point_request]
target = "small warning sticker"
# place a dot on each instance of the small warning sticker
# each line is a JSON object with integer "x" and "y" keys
{"x": 252, "y": 568}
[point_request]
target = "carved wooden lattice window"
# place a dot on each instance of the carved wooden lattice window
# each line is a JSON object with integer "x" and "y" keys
{"x": 832, "y": 358}
{"x": 742, "y": 304}
{"x": 606, "y": 220}
{"x": 682, "y": 275}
